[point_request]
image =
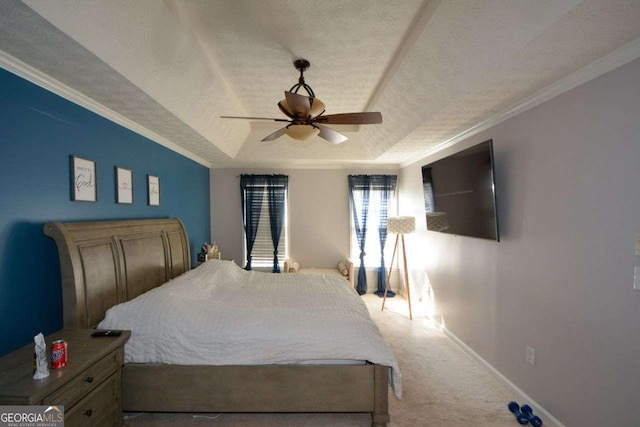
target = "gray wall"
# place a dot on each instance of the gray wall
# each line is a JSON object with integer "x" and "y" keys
{"x": 561, "y": 279}
{"x": 318, "y": 213}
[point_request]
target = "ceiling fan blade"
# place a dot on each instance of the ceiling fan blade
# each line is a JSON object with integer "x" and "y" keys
{"x": 277, "y": 134}
{"x": 299, "y": 104}
{"x": 371, "y": 118}
{"x": 255, "y": 118}
{"x": 331, "y": 135}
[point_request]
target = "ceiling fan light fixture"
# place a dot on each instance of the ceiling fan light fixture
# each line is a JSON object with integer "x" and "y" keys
{"x": 317, "y": 108}
{"x": 302, "y": 132}
{"x": 306, "y": 114}
{"x": 286, "y": 108}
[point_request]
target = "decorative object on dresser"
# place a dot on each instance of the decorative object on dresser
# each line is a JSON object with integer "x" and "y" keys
{"x": 89, "y": 387}
{"x": 209, "y": 251}
{"x": 109, "y": 262}
{"x": 343, "y": 268}
{"x": 400, "y": 225}
{"x": 204, "y": 257}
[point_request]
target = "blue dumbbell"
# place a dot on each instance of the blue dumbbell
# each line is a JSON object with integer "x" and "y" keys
{"x": 515, "y": 408}
{"x": 533, "y": 419}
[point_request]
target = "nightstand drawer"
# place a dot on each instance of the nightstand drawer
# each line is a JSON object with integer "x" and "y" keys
{"x": 100, "y": 407}
{"x": 82, "y": 384}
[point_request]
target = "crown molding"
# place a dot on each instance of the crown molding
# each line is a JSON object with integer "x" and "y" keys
{"x": 613, "y": 60}
{"x": 309, "y": 165}
{"x": 47, "y": 82}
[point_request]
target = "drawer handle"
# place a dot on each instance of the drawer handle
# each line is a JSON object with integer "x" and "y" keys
{"x": 88, "y": 412}
{"x": 89, "y": 379}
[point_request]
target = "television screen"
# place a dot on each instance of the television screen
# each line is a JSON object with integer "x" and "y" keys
{"x": 459, "y": 193}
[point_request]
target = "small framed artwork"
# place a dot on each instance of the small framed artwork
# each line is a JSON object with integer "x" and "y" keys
{"x": 84, "y": 181}
{"x": 124, "y": 185}
{"x": 153, "y": 183}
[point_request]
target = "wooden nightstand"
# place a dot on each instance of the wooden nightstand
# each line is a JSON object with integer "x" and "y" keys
{"x": 89, "y": 387}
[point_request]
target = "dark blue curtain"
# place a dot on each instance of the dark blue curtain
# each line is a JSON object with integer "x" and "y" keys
{"x": 276, "y": 192}
{"x": 364, "y": 185}
{"x": 251, "y": 191}
{"x": 386, "y": 186}
{"x": 360, "y": 183}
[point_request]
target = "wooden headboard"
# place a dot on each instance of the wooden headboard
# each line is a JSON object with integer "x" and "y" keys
{"x": 105, "y": 263}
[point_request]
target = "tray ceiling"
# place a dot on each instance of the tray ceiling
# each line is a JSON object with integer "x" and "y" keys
{"x": 435, "y": 69}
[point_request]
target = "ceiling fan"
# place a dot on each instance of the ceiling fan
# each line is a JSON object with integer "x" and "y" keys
{"x": 305, "y": 113}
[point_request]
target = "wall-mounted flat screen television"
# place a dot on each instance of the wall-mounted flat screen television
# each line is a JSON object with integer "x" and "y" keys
{"x": 459, "y": 193}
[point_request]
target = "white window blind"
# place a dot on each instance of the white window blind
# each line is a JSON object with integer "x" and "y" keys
{"x": 262, "y": 254}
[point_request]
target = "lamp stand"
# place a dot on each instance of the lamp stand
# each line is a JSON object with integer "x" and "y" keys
{"x": 406, "y": 274}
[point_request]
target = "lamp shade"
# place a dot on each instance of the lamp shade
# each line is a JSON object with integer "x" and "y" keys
{"x": 437, "y": 221}
{"x": 401, "y": 224}
{"x": 317, "y": 108}
{"x": 302, "y": 132}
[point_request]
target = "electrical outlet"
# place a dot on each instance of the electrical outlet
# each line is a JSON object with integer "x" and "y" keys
{"x": 531, "y": 356}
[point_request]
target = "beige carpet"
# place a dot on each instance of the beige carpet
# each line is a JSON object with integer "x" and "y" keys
{"x": 442, "y": 386}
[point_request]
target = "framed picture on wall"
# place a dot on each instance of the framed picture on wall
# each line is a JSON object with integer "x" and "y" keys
{"x": 84, "y": 181}
{"x": 124, "y": 185}
{"x": 153, "y": 182}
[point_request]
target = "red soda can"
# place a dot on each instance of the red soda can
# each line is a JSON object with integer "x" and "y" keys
{"x": 59, "y": 354}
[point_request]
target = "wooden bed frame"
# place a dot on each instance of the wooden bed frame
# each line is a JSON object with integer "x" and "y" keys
{"x": 109, "y": 262}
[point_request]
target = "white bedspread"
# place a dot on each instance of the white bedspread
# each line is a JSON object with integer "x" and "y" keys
{"x": 220, "y": 314}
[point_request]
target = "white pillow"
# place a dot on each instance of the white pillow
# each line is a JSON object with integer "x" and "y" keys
{"x": 294, "y": 267}
{"x": 343, "y": 268}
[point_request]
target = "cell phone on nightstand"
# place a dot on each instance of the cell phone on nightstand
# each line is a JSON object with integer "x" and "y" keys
{"x": 106, "y": 333}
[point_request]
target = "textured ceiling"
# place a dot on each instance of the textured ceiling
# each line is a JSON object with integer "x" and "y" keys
{"x": 435, "y": 69}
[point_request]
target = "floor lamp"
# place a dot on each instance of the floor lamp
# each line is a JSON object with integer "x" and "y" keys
{"x": 400, "y": 225}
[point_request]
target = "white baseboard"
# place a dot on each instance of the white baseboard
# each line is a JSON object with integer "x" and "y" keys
{"x": 548, "y": 419}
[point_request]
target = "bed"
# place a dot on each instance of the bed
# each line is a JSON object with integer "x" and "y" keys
{"x": 343, "y": 269}
{"x": 107, "y": 263}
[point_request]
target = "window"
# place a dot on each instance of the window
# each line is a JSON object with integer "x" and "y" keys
{"x": 372, "y": 240}
{"x": 262, "y": 254}
{"x": 427, "y": 188}
{"x": 264, "y": 215}
{"x": 381, "y": 205}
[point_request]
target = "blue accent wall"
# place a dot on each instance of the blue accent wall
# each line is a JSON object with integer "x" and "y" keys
{"x": 39, "y": 131}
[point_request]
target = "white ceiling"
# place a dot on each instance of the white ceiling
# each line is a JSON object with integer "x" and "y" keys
{"x": 435, "y": 69}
